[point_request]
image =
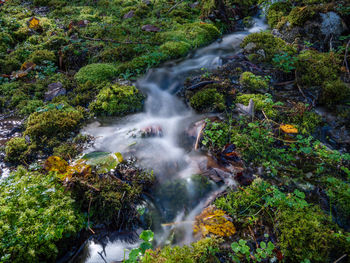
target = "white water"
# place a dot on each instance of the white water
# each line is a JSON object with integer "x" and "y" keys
{"x": 164, "y": 154}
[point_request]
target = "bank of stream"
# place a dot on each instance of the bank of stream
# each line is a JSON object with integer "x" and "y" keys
{"x": 157, "y": 137}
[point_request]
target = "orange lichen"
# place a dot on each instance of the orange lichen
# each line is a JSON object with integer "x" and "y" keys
{"x": 214, "y": 221}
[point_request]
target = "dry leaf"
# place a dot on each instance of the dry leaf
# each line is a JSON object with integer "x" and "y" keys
{"x": 288, "y": 128}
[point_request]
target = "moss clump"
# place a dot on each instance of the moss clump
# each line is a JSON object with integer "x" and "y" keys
{"x": 267, "y": 42}
{"x": 302, "y": 230}
{"x": 39, "y": 56}
{"x": 252, "y": 82}
{"x": 208, "y": 100}
{"x": 334, "y": 92}
{"x": 276, "y": 11}
{"x": 17, "y": 150}
{"x": 67, "y": 151}
{"x": 117, "y": 100}
{"x": 37, "y": 218}
{"x": 95, "y": 73}
{"x": 299, "y": 15}
{"x": 261, "y": 102}
{"x": 175, "y": 49}
{"x": 49, "y": 126}
{"x": 197, "y": 252}
{"x": 314, "y": 68}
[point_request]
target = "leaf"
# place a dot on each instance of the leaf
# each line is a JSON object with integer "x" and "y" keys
{"x": 33, "y": 23}
{"x": 235, "y": 247}
{"x": 214, "y": 221}
{"x": 288, "y": 128}
{"x": 134, "y": 254}
{"x": 147, "y": 235}
{"x": 144, "y": 246}
{"x": 103, "y": 161}
{"x": 263, "y": 245}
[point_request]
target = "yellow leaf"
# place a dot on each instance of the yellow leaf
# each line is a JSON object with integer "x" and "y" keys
{"x": 214, "y": 221}
{"x": 119, "y": 157}
{"x": 34, "y": 23}
{"x": 55, "y": 164}
{"x": 288, "y": 128}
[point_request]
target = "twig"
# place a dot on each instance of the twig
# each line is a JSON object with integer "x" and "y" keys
{"x": 174, "y": 6}
{"x": 116, "y": 41}
{"x": 199, "y": 136}
{"x": 301, "y": 91}
{"x": 89, "y": 217}
{"x": 343, "y": 256}
{"x": 345, "y": 62}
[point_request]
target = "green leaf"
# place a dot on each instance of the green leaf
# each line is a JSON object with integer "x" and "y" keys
{"x": 147, "y": 235}
{"x": 235, "y": 247}
{"x": 144, "y": 246}
{"x": 263, "y": 245}
{"x": 134, "y": 254}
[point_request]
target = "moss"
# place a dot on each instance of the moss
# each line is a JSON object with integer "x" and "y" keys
{"x": 269, "y": 43}
{"x": 67, "y": 151}
{"x": 17, "y": 150}
{"x": 261, "y": 102}
{"x": 299, "y": 15}
{"x": 175, "y": 49}
{"x": 334, "y": 92}
{"x": 51, "y": 125}
{"x": 27, "y": 107}
{"x": 199, "y": 251}
{"x": 276, "y": 11}
{"x": 9, "y": 64}
{"x": 39, "y": 56}
{"x": 314, "y": 68}
{"x": 38, "y": 218}
{"x": 252, "y": 82}
{"x": 122, "y": 53}
{"x": 95, "y": 73}
{"x": 208, "y": 100}
{"x": 117, "y": 100}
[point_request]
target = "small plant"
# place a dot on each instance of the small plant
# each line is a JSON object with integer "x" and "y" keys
{"x": 285, "y": 62}
{"x": 241, "y": 249}
{"x": 138, "y": 253}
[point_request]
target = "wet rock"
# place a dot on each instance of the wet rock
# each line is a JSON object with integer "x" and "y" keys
{"x": 261, "y": 52}
{"x": 150, "y": 28}
{"x": 54, "y": 90}
{"x": 130, "y": 14}
{"x": 250, "y": 47}
{"x": 152, "y": 131}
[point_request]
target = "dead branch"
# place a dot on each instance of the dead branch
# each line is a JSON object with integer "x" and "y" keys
{"x": 174, "y": 6}
{"x": 345, "y": 62}
{"x": 118, "y": 42}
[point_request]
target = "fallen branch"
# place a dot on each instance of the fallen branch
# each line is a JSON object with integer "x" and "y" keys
{"x": 118, "y": 42}
{"x": 199, "y": 136}
{"x": 174, "y": 6}
{"x": 343, "y": 256}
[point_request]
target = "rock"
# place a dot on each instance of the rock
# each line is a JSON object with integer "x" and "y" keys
{"x": 250, "y": 47}
{"x": 54, "y": 90}
{"x": 331, "y": 24}
{"x": 150, "y": 28}
{"x": 261, "y": 52}
{"x": 130, "y": 14}
{"x": 246, "y": 110}
{"x": 152, "y": 131}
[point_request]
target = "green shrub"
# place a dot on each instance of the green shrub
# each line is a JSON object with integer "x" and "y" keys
{"x": 208, "y": 100}
{"x": 252, "y": 82}
{"x": 117, "y": 100}
{"x": 17, "y": 150}
{"x": 95, "y": 73}
{"x": 37, "y": 218}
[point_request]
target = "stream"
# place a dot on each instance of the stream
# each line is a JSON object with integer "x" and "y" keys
{"x": 165, "y": 152}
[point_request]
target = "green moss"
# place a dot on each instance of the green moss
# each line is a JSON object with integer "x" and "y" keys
{"x": 299, "y": 15}
{"x": 261, "y": 102}
{"x": 208, "y": 100}
{"x": 269, "y": 43}
{"x": 9, "y": 64}
{"x": 17, "y": 150}
{"x": 37, "y": 218}
{"x": 315, "y": 68}
{"x": 175, "y": 49}
{"x": 117, "y": 100}
{"x": 67, "y": 151}
{"x": 199, "y": 251}
{"x": 39, "y": 56}
{"x": 53, "y": 124}
{"x": 252, "y": 82}
{"x": 95, "y": 73}
{"x": 276, "y": 11}
{"x": 334, "y": 92}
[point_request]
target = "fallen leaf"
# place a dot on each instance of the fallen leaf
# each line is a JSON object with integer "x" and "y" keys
{"x": 288, "y": 128}
{"x": 33, "y": 23}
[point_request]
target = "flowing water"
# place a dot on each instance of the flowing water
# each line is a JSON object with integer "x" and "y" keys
{"x": 168, "y": 118}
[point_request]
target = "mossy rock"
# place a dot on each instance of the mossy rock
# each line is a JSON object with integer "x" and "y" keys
{"x": 96, "y": 73}
{"x": 261, "y": 102}
{"x": 175, "y": 49}
{"x": 334, "y": 92}
{"x": 314, "y": 68}
{"x": 39, "y": 56}
{"x": 276, "y": 11}
{"x": 267, "y": 42}
{"x": 208, "y": 99}
{"x": 117, "y": 100}
{"x": 252, "y": 82}
{"x": 53, "y": 124}
{"x": 299, "y": 15}
{"x": 17, "y": 150}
